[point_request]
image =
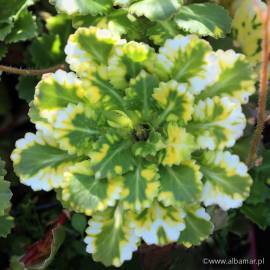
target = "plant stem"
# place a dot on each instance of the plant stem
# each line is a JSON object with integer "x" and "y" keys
{"x": 30, "y": 72}
{"x": 253, "y": 246}
{"x": 263, "y": 88}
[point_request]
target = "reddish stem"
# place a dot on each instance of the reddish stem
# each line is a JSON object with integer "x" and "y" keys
{"x": 263, "y": 88}
{"x": 30, "y": 72}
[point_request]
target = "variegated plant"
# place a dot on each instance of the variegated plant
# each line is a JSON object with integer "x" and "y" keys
{"x": 139, "y": 140}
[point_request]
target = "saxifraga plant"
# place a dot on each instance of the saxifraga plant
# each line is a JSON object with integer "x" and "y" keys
{"x": 139, "y": 140}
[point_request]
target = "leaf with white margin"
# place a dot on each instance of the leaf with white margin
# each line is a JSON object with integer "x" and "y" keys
{"x": 76, "y": 127}
{"x": 187, "y": 59}
{"x": 205, "y": 19}
{"x": 217, "y": 123}
{"x": 226, "y": 179}
{"x": 40, "y": 163}
{"x": 140, "y": 186}
{"x": 155, "y": 9}
{"x": 180, "y": 184}
{"x": 236, "y": 78}
{"x": 175, "y": 101}
{"x": 198, "y": 227}
{"x": 178, "y": 146}
{"x": 111, "y": 156}
{"x": 247, "y": 29}
{"x": 159, "y": 225}
{"x": 109, "y": 237}
{"x": 127, "y": 61}
{"x": 53, "y": 93}
{"x": 88, "y": 50}
{"x": 86, "y": 194}
{"x": 82, "y": 7}
{"x": 139, "y": 94}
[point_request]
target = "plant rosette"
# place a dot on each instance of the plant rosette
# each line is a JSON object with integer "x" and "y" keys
{"x": 139, "y": 140}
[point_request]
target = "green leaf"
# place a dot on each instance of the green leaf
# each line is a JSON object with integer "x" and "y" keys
{"x": 84, "y": 193}
{"x": 86, "y": 21}
{"x": 235, "y": 78}
{"x": 260, "y": 192}
{"x": 127, "y": 62}
{"x": 75, "y": 128}
{"x": 204, "y": 19}
{"x": 104, "y": 95}
{"x": 5, "y": 29}
{"x": 5, "y": 193}
{"x": 139, "y": 94}
{"x": 24, "y": 28}
{"x": 12, "y": 8}
{"x": 48, "y": 49}
{"x": 198, "y": 227}
{"x": 217, "y": 123}
{"x": 6, "y": 224}
{"x": 82, "y": 7}
{"x": 88, "y": 50}
{"x": 53, "y": 93}
{"x": 78, "y": 222}
{"x": 57, "y": 90}
{"x": 162, "y": 30}
{"x": 60, "y": 25}
{"x": 259, "y": 214}
{"x": 26, "y": 87}
{"x": 155, "y": 9}
{"x": 140, "y": 187}
{"x": 159, "y": 225}
{"x": 186, "y": 59}
{"x": 178, "y": 146}
{"x": 180, "y": 184}
{"x": 5, "y": 196}
{"x": 119, "y": 21}
{"x": 227, "y": 182}
{"x": 174, "y": 101}
{"x": 111, "y": 157}
{"x": 39, "y": 162}
{"x": 110, "y": 238}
